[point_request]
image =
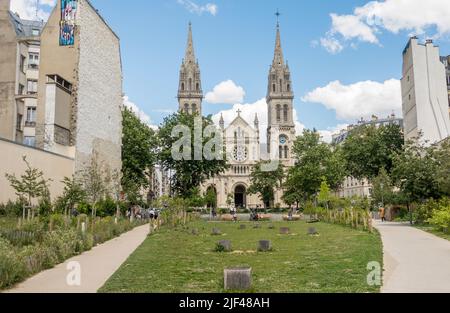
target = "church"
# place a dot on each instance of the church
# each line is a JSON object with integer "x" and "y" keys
{"x": 242, "y": 138}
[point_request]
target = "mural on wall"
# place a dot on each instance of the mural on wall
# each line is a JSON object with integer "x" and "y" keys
{"x": 67, "y": 28}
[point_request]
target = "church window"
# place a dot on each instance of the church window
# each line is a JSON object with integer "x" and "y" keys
{"x": 286, "y": 152}
{"x": 278, "y": 112}
{"x": 186, "y": 108}
{"x": 285, "y": 112}
{"x": 273, "y": 88}
{"x": 197, "y": 87}
{"x": 194, "y": 108}
{"x": 289, "y": 87}
{"x": 280, "y": 152}
{"x": 182, "y": 86}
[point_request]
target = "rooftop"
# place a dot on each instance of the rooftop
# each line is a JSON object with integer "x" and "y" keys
{"x": 25, "y": 28}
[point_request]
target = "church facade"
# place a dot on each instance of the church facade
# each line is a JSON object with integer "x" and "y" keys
{"x": 241, "y": 138}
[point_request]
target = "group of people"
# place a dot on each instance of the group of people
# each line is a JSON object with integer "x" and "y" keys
{"x": 142, "y": 214}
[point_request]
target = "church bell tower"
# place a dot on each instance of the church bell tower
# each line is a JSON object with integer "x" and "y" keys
{"x": 280, "y": 97}
{"x": 190, "y": 94}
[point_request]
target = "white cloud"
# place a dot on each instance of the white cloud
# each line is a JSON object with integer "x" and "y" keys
{"x": 27, "y": 8}
{"x": 362, "y": 99}
{"x": 417, "y": 17}
{"x": 193, "y": 7}
{"x": 248, "y": 112}
{"x": 331, "y": 44}
{"x": 144, "y": 117}
{"x": 227, "y": 92}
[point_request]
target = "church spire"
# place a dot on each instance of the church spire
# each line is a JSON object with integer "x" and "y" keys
{"x": 190, "y": 53}
{"x": 278, "y": 55}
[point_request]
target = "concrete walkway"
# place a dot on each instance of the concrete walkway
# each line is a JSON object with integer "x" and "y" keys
{"x": 414, "y": 261}
{"x": 96, "y": 266}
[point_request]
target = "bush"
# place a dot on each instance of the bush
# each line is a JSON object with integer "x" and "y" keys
{"x": 425, "y": 212}
{"x": 106, "y": 207}
{"x": 441, "y": 219}
{"x": 12, "y": 269}
{"x": 11, "y": 208}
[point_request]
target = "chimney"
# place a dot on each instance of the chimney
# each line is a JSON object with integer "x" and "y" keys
{"x": 5, "y": 5}
{"x": 429, "y": 41}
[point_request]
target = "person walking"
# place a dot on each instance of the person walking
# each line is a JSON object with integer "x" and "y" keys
{"x": 382, "y": 212}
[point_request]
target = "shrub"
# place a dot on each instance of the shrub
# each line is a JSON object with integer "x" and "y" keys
{"x": 12, "y": 269}
{"x": 106, "y": 207}
{"x": 11, "y": 208}
{"x": 441, "y": 219}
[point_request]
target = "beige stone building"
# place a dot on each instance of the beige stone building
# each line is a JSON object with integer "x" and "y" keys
{"x": 19, "y": 73}
{"x": 241, "y": 138}
{"x": 80, "y": 87}
{"x": 76, "y": 94}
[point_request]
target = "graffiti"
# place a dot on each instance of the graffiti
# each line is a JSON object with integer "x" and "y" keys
{"x": 67, "y": 27}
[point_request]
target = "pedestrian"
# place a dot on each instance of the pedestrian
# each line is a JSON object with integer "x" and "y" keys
{"x": 382, "y": 212}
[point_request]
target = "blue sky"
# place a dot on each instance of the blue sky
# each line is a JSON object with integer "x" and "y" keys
{"x": 360, "y": 51}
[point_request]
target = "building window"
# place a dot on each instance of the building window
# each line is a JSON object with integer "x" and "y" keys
{"x": 22, "y": 63}
{"x": 186, "y": 108}
{"x": 33, "y": 60}
{"x": 273, "y": 88}
{"x": 194, "y": 108}
{"x": 29, "y": 141}
{"x": 19, "y": 122}
{"x": 35, "y": 32}
{"x": 278, "y": 112}
{"x": 182, "y": 86}
{"x": 286, "y": 152}
{"x": 21, "y": 89}
{"x": 285, "y": 112}
{"x": 32, "y": 86}
{"x": 31, "y": 117}
{"x": 289, "y": 87}
{"x": 197, "y": 87}
{"x": 280, "y": 151}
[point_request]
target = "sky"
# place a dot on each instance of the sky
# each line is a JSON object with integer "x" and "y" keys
{"x": 345, "y": 57}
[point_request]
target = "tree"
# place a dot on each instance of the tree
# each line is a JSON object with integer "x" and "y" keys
{"x": 316, "y": 161}
{"x": 29, "y": 186}
{"x": 264, "y": 183}
{"x": 383, "y": 189}
{"x": 191, "y": 147}
{"x": 96, "y": 180}
{"x": 324, "y": 193}
{"x": 73, "y": 193}
{"x": 414, "y": 173}
{"x": 368, "y": 149}
{"x": 139, "y": 144}
{"x": 442, "y": 156}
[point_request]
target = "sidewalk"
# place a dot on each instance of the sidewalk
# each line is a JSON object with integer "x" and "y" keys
{"x": 96, "y": 265}
{"x": 414, "y": 261}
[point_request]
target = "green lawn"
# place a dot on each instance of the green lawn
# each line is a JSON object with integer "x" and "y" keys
{"x": 432, "y": 230}
{"x": 177, "y": 261}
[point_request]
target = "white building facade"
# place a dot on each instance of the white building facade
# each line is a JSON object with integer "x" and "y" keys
{"x": 424, "y": 93}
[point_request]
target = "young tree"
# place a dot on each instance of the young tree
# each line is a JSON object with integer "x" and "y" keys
{"x": 73, "y": 194}
{"x": 442, "y": 156}
{"x": 139, "y": 143}
{"x": 199, "y": 151}
{"x": 316, "y": 160}
{"x": 96, "y": 180}
{"x": 368, "y": 149}
{"x": 324, "y": 195}
{"x": 29, "y": 186}
{"x": 264, "y": 183}
{"x": 383, "y": 189}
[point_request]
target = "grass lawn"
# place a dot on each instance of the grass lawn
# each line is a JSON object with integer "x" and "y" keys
{"x": 432, "y": 230}
{"x": 177, "y": 261}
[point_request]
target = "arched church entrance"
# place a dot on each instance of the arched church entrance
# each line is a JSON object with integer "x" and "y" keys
{"x": 240, "y": 197}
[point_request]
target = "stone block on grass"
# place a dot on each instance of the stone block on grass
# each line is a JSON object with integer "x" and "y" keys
{"x": 237, "y": 279}
{"x": 242, "y": 226}
{"x": 312, "y": 231}
{"x": 264, "y": 246}
{"x": 284, "y": 230}
{"x": 216, "y": 232}
{"x": 223, "y": 246}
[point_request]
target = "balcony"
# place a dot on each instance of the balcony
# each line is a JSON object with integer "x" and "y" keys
{"x": 33, "y": 66}
{"x": 30, "y": 124}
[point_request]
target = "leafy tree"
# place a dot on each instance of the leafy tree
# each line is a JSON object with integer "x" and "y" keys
{"x": 442, "y": 156}
{"x": 139, "y": 144}
{"x": 324, "y": 195}
{"x": 414, "y": 173}
{"x": 211, "y": 198}
{"x": 29, "y": 186}
{"x": 190, "y": 137}
{"x": 264, "y": 183}
{"x": 368, "y": 149}
{"x": 73, "y": 193}
{"x": 316, "y": 161}
{"x": 383, "y": 189}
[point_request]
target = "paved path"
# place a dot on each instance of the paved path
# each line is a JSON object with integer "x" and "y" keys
{"x": 414, "y": 261}
{"x": 97, "y": 265}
